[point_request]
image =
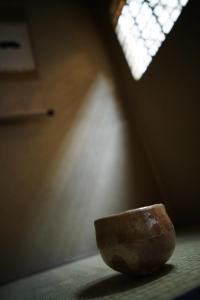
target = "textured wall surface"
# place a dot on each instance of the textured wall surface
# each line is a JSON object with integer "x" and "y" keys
{"x": 165, "y": 106}
{"x": 57, "y": 175}
{"x": 170, "y": 121}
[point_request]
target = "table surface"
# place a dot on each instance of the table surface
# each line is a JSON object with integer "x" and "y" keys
{"x": 90, "y": 278}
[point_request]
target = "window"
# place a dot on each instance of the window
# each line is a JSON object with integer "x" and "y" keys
{"x": 142, "y": 27}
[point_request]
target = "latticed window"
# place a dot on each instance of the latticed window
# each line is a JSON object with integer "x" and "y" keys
{"x": 141, "y": 27}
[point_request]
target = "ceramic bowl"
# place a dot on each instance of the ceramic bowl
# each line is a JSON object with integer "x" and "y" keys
{"x": 137, "y": 241}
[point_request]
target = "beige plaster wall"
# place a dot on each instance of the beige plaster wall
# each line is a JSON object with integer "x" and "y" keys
{"x": 57, "y": 175}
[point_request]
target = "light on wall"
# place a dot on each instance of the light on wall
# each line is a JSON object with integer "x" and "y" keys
{"x": 142, "y": 27}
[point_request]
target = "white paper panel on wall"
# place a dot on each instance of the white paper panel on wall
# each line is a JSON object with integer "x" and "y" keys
{"x": 15, "y": 48}
{"x": 142, "y": 27}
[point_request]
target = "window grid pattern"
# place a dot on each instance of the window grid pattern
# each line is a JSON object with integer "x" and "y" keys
{"x": 142, "y": 27}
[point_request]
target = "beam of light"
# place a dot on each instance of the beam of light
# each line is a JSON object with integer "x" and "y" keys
{"x": 142, "y": 27}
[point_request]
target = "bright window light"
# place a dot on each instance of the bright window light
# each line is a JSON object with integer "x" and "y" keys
{"x": 142, "y": 27}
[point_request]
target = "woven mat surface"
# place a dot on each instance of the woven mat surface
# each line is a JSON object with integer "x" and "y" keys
{"x": 90, "y": 278}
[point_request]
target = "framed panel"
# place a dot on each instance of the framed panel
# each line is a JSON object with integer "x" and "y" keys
{"x": 16, "y": 48}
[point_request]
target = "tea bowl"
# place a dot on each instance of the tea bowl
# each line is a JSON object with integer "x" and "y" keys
{"x": 137, "y": 241}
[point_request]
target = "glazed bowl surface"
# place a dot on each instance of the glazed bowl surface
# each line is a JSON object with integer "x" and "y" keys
{"x": 137, "y": 241}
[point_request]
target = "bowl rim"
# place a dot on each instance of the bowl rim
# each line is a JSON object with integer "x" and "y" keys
{"x": 129, "y": 212}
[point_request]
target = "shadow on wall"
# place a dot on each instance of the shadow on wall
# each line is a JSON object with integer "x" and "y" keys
{"x": 58, "y": 175}
{"x": 164, "y": 105}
